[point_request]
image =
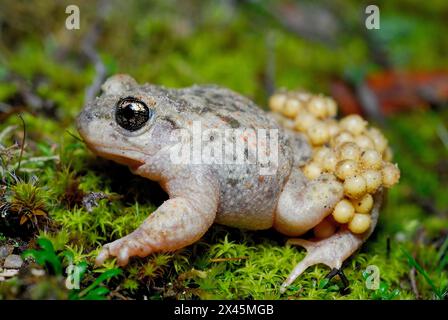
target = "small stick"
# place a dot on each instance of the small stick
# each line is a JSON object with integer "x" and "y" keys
{"x": 23, "y": 141}
{"x": 228, "y": 259}
{"x": 332, "y": 273}
{"x": 6, "y": 132}
{"x": 443, "y": 134}
{"x": 341, "y": 274}
{"x": 414, "y": 283}
{"x": 40, "y": 159}
{"x": 77, "y": 138}
{"x": 388, "y": 247}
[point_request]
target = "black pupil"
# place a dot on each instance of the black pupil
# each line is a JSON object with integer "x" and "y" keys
{"x": 132, "y": 114}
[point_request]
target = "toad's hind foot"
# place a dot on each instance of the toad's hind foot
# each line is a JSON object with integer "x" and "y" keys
{"x": 331, "y": 252}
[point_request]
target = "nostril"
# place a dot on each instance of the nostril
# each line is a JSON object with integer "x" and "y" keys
{"x": 88, "y": 116}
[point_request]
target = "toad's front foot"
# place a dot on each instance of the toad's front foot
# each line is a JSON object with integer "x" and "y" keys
{"x": 123, "y": 249}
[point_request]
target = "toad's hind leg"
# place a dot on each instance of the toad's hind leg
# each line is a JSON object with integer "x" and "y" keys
{"x": 333, "y": 250}
{"x": 303, "y": 203}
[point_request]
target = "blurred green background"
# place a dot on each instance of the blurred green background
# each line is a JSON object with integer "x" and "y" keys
{"x": 253, "y": 47}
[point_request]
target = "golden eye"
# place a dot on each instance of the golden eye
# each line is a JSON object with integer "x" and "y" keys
{"x": 132, "y": 114}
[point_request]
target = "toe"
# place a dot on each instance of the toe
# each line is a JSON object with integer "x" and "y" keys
{"x": 123, "y": 257}
{"x": 102, "y": 256}
{"x": 115, "y": 247}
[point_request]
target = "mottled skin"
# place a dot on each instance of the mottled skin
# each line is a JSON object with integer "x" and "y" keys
{"x": 201, "y": 194}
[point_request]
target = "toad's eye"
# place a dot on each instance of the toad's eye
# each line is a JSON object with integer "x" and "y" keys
{"x": 132, "y": 114}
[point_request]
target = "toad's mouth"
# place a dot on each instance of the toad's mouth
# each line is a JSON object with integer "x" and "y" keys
{"x": 131, "y": 163}
{"x": 125, "y": 157}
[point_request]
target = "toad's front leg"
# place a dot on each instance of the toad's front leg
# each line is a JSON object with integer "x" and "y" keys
{"x": 178, "y": 222}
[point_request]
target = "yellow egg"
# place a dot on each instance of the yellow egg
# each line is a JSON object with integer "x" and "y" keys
{"x": 342, "y": 137}
{"x": 330, "y": 163}
{"x": 374, "y": 179}
{"x": 363, "y": 204}
{"x": 318, "y": 134}
{"x": 302, "y": 96}
{"x": 346, "y": 168}
{"x": 333, "y": 127}
{"x": 388, "y": 154}
{"x": 371, "y": 159}
{"x": 317, "y": 106}
{"x": 391, "y": 175}
{"x": 364, "y": 142}
{"x": 304, "y": 120}
{"x": 355, "y": 186}
{"x": 324, "y": 229}
{"x": 332, "y": 108}
{"x": 349, "y": 151}
{"x": 312, "y": 170}
{"x": 353, "y": 123}
{"x": 292, "y": 107}
{"x": 277, "y": 102}
{"x": 320, "y": 154}
{"x": 378, "y": 139}
{"x": 326, "y": 158}
{"x": 360, "y": 223}
{"x": 343, "y": 211}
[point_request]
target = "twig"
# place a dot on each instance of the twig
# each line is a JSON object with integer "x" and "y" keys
{"x": 443, "y": 134}
{"x": 29, "y": 170}
{"x": 442, "y": 257}
{"x": 426, "y": 204}
{"x": 228, "y": 259}
{"x": 71, "y": 134}
{"x": 5, "y": 133}
{"x": 388, "y": 248}
{"x": 313, "y": 22}
{"x": 335, "y": 271}
{"x": 40, "y": 159}
{"x": 89, "y": 50}
{"x": 119, "y": 295}
{"x": 5, "y": 108}
{"x": 100, "y": 69}
{"x": 369, "y": 102}
{"x": 414, "y": 283}
{"x": 270, "y": 64}
{"x": 23, "y": 142}
{"x": 30, "y": 99}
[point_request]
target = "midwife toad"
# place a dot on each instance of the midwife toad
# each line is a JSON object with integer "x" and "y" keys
{"x": 133, "y": 124}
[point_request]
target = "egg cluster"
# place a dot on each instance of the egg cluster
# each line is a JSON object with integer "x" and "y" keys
{"x": 358, "y": 155}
